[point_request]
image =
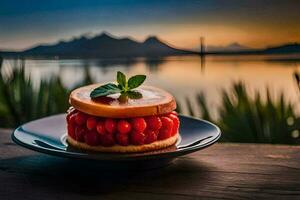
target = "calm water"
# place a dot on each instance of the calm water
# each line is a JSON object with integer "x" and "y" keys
{"x": 183, "y": 76}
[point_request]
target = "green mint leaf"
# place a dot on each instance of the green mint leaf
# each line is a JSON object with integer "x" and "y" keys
{"x": 122, "y": 87}
{"x": 105, "y": 90}
{"x": 136, "y": 81}
{"x": 121, "y": 79}
{"x": 134, "y": 95}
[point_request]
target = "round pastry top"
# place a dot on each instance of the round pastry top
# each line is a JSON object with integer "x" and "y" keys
{"x": 142, "y": 101}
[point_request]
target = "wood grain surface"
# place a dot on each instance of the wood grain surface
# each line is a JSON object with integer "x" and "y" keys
{"x": 222, "y": 171}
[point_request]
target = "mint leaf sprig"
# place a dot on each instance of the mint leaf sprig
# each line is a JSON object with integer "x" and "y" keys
{"x": 122, "y": 87}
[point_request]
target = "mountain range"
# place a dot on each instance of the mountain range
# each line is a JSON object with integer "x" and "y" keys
{"x": 233, "y": 47}
{"x": 236, "y": 48}
{"x": 103, "y": 45}
{"x": 287, "y": 48}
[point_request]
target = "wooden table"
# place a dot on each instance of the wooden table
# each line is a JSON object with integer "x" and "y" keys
{"x": 222, "y": 171}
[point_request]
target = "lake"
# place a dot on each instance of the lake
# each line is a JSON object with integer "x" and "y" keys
{"x": 183, "y": 76}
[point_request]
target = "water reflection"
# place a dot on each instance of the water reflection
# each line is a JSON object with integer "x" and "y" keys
{"x": 202, "y": 63}
{"x": 184, "y": 76}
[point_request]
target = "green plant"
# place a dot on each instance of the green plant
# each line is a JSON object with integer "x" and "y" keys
{"x": 23, "y": 103}
{"x": 254, "y": 120}
{"x": 20, "y": 101}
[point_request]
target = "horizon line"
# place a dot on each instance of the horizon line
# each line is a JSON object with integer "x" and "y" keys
{"x": 89, "y": 35}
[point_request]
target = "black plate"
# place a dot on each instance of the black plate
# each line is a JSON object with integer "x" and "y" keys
{"x": 47, "y": 135}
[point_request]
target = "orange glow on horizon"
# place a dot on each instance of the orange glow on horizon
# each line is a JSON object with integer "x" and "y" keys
{"x": 184, "y": 36}
{"x": 219, "y": 35}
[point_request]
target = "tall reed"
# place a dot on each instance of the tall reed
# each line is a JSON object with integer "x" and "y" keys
{"x": 255, "y": 120}
{"x": 20, "y": 101}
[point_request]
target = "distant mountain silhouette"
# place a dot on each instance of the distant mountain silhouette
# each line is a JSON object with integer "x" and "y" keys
{"x": 287, "y": 48}
{"x": 104, "y": 45}
{"x": 236, "y": 48}
{"x": 233, "y": 47}
{"x": 107, "y": 46}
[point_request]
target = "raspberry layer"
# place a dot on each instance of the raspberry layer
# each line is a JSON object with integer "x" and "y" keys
{"x": 108, "y": 132}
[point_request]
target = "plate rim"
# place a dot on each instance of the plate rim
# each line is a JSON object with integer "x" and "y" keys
{"x": 112, "y": 156}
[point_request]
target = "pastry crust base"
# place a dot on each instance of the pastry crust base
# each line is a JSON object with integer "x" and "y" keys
{"x": 126, "y": 149}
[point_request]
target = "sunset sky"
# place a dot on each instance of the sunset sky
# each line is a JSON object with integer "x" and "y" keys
{"x": 252, "y": 23}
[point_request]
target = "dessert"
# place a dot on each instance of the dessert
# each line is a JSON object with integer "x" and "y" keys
{"x": 124, "y": 117}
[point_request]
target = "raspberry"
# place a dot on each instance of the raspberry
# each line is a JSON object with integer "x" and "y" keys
{"x": 123, "y": 139}
{"x": 72, "y": 120}
{"x": 80, "y": 118}
{"x": 91, "y": 123}
{"x": 92, "y": 138}
{"x": 100, "y": 128}
{"x": 164, "y": 134}
{"x": 174, "y": 113}
{"x": 79, "y": 133}
{"x": 137, "y": 138}
{"x": 124, "y": 127}
{"x": 153, "y": 123}
{"x": 166, "y": 129}
{"x": 176, "y": 123}
{"x": 110, "y": 125}
{"x": 167, "y": 123}
{"x": 107, "y": 140}
{"x": 139, "y": 124}
{"x": 151, "y": 136}
{"x": 70, "y": 112}
{"x": 71, "y": 131}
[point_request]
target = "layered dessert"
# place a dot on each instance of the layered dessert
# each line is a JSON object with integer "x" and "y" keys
{"x": 124, "y": 117}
